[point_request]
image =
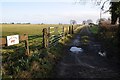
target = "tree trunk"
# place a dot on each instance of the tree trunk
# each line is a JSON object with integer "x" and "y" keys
{"x": 114, "y": 15}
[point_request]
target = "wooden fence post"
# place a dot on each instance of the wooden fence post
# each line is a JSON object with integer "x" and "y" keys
{"x": 72, "y": 30}
{"x": 69, "y": 30}
{"x": 27, "y": 46}
{"x": 3, "y": 42}
{"x": 48, "y": 31}
{"x": 25, "y": 38}
{"x": 63, "y": 32}
{"x": 47, "y": 36}
{"x": 43, "y": 38}
{"x": 45, "y": 42}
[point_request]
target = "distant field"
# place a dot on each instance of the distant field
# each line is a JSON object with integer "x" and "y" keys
{"x": 30, "y": 29}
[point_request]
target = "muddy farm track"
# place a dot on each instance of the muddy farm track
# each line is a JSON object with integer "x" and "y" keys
{"x": 86, "y": 64}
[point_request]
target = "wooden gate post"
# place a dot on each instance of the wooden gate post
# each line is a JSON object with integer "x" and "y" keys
{"x": 25, "y": 38}
{"x": 69, "y": 30}
{"x": 63, "y": 32}
{"x": 27, "y": 46}
{"x": 72, "y": 30}
{"x": 45, "y": 38}
{"x": 43, "y": 45}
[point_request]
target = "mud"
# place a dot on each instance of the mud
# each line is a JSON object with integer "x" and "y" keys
{"x": 89, "y": 64}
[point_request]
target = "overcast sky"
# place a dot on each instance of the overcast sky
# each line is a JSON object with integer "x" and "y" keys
{"x": 49, "y": 11}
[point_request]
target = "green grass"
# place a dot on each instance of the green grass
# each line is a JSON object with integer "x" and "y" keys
{"x": 31, "y": 29}
{"x": 94, "y": 29}
{"x": 41, "y": 62}
{"x": 39, "y": 65}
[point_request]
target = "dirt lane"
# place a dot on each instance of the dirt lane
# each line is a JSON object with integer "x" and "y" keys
{"x": 86, "y": 64}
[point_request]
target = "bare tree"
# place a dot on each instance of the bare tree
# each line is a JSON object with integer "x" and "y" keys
{"x": 73, "y": 22}
{"x": 84, "y": 22}
{"x": 114, "y": 8}
{"x": 89, "y": 21}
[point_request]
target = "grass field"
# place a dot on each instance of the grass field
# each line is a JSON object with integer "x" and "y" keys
{"x": 30, "y": 29}
{"x": 34, "y": 32}
{"x": 15, "y": 64}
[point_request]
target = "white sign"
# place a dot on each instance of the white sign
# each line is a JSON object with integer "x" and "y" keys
{"x": 11, "y": 40}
